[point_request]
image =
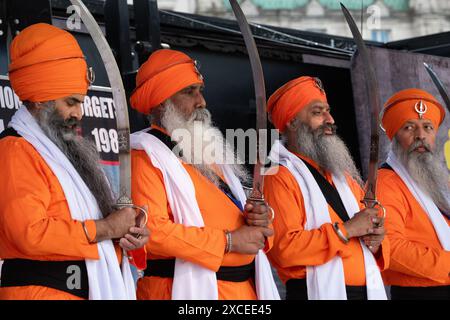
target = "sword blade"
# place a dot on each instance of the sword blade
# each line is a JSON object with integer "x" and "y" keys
{"x": 120, "y": 100}
{"x": 374, "y": 105}
{"x": 260, "y": 96}
{"x": 439, "y": 85}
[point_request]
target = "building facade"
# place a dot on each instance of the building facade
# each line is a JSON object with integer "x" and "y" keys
{"x": 383, "y": 20}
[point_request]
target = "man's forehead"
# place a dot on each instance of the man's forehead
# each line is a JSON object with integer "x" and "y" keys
{"x": 75, "y": 96}
{"x": 317, "y": 104}
{"x": 418, "y": 121}
{"x": 193, "y": 86}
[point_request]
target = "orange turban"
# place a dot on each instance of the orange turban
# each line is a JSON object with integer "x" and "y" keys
{"x": 406, "y": 105}
{"x": 288, "y": 100}
{"x": 46, "y": 64}
{"x": 164, "y": 73}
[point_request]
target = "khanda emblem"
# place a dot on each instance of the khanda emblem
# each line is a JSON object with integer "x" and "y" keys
{"x": 421, "y": 108}
{"x": 318, "y": 84}
{"x": 90, "y": 75}
{"x": 197, "y": 67}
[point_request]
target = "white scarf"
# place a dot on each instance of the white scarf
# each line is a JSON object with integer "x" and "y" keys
{"x": 327, "y": 282}
{"x": 437, "y": 219}
{"x": 107, "y": 280}
{"x": 191, "y": 281}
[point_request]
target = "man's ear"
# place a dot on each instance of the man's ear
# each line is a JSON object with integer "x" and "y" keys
{"x": 293, "y": 124}
{"x": 33, "y": 107}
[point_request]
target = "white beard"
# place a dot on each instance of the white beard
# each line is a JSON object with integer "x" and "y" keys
{"x": 427, "y": 170}
{"x": 328, "y": 151}
{"x": 200, "y": 143}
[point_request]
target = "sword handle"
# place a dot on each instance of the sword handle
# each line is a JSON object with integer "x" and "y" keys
{"x": 373, "y": 203}
{"x": 125, "y": 202}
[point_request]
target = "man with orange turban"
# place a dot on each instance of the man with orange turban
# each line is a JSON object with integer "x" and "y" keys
{"x": 57, "y": 219}
{"x": 326, "y": 245}
{"x": 201, "y": 247}
{"x": 413, "y": 187}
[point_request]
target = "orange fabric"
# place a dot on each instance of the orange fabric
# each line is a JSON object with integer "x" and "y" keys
{"x": 417, "y": 257}
{"x": 164, "y": 73}
{"x": 35, "y": 293}
{"x": 295, "y": 248}
{"x": 46, "y": 64}
{"x": 204, "y": 246}
{"x": 156, "y": 288}
{"x": 35, "y": 221}
{"x": 291, "y": 98}
{"x": 401, "y": 107}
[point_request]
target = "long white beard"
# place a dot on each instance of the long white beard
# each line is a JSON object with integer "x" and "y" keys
{"x": 427, "y": 170}
{"x": 328, "y": 151}
{"x": 200, "y": 143}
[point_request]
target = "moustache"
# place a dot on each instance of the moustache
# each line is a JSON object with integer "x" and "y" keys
{"x": 419, "y": 144}
{"x": 320, "y": 131}
{"x": 71, "y": 123}
{"x": 200, "y": 115}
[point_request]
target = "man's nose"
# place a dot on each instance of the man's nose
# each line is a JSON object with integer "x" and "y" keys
{"x": 77, "y": 112}
{"x": 420, "y": 134}
{"x": 328, "y": 118}
{"x": 200, "y": 101}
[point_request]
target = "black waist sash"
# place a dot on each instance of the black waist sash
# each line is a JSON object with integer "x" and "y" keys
{"x": 67, "y": 276}
{"x": 330, "y": 193}
{"x": 165, "y": 268}
{"x": 296, "y": 289}
{"x": 420, "y": 293}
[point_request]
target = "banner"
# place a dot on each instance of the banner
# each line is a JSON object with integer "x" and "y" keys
{"x": 98, "y": 123}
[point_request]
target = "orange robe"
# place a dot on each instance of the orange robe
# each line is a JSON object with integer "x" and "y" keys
{"x": 417, "y": 257}
{"x": 204, "y": 246}
{"x": 295, "y": 248}
{"x": 35, "y": 221}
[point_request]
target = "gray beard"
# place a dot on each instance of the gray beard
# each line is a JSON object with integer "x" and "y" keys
{"x": 81, "y": 153}
{"x": 205, "y": 163}
{"x": 328, "y": 151}
{"x": 427, "y": 170}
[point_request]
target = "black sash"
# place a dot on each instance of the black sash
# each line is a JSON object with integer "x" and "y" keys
{"x": 67, "y": 276}
{"x": 59, "y": 275}
{"x": 165, "y": 268}
{"x": 420, "y": 293}
{"x": 386, "y": 166}
{"x": 164, "y": 138}
{"x": 296, "y": 289}
{"x": 330, "y": 193}
{"x": 9, "y": 132}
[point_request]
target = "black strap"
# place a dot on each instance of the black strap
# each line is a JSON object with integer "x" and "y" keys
{"x": 420, "y": 293}
{"x": 67, "y": 276}
{"x": 296, "y": 289}
{"x": 386, "y": 166}
{"x": 164, "y": 138}
{"x": 226, "y": 189}
{"x": 165, "y": 268}
{"x": 330, "y": 193}
{"x": 9, "y": 132}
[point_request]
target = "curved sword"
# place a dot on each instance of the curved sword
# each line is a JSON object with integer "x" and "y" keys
{"x": 260, "y": 95}
{"x": 120, "y": 102}
{"x": 370, "y": 199}
{"x": 439, "y": 85}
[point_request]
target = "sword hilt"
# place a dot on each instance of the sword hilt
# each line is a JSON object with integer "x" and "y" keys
{"x": 373, "y": 203}
{"x": 126, "y": 202}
